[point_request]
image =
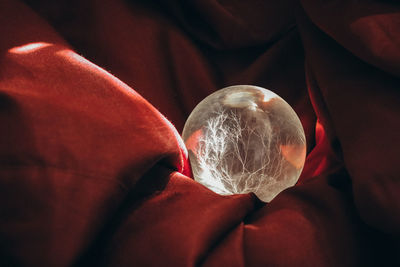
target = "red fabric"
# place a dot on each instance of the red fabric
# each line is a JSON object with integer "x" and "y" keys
{"x": 92, "y": 173}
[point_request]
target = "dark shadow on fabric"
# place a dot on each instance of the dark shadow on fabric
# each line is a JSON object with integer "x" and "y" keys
{"x": 16, "y": 140}
{"x": 15, "y": 146}
{"x": 149, "y": 185}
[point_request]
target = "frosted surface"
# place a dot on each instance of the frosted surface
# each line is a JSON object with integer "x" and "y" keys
{"x": 245, "y": 139}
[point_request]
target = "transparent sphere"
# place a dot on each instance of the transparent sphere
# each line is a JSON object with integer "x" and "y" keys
{"x": 245, "y": 139}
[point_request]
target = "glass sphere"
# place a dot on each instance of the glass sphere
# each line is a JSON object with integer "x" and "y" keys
{"x": 244, "y": 139}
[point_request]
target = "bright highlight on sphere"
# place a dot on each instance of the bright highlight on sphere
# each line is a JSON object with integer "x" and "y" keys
{"x": 245, "y": 139}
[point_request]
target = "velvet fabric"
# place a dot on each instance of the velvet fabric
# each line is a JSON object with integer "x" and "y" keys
{"x": 94, "y": 94}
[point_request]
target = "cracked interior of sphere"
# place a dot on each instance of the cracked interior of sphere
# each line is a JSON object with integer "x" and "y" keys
{"x": 244, "y": 139}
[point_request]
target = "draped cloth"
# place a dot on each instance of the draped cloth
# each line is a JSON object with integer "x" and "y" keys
{"x": 94, "y": 96}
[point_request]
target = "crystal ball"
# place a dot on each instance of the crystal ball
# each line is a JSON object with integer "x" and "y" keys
{"x": 243, "y": 139}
